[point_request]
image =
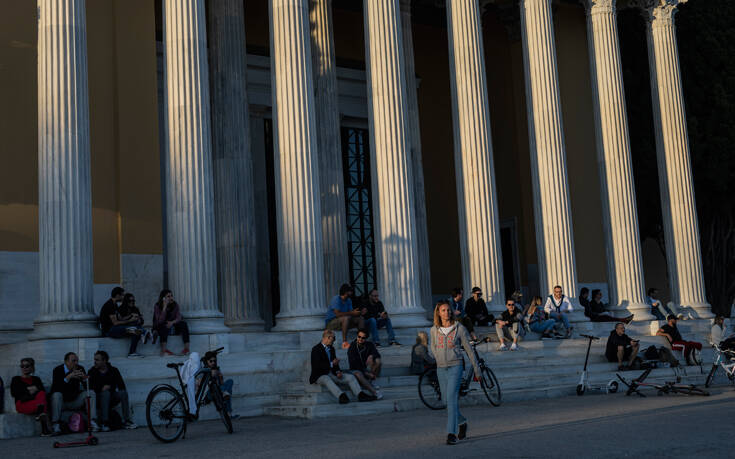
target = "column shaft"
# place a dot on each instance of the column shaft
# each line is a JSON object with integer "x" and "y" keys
{"x": 392, "y": 177}
{"x": 64, "y": 180}
{"x": 331, "y": 174}
{"x": 479, "y": 230}
{"x": 554, "y": 238}
{"x": 190, "y": 238}
{"x": 681, "y": 228}
{"x": 624, "y": 264}
{"x": 233, "y": 167}
{"x": 414, "y": 143}
{"x": 300, "y": 259}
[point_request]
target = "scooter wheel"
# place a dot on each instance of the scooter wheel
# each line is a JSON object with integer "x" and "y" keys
{"x": 93, "y": 441}
{"x": 612, "y": 387}
{"x": 580, "y": 389}
{"x": 56, "y": 444}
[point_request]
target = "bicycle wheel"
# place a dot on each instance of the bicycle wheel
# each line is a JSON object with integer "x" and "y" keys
{"x": 711, "y": 376}
{"x": 165, "y": 413}
{"x": 429, "y": 391}
{"x": 219, "y": 403}
{"x": 490, "y": 386}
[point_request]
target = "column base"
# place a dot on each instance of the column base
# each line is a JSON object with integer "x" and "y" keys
{"x": 702, "y": 310}
{"x": 64, "y": 329}
{"x": 578, "y": 316}
{"x": 246, "y": 325}
{"x": 299, "y": 323}
{"x": 414, "y": 317}
{"x": 642, "y": 311}
{"x": 205, "y": 326}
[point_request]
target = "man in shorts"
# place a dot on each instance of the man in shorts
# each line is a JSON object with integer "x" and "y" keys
{"x": 621, "y": 348}
{"x": 341, "y": 314}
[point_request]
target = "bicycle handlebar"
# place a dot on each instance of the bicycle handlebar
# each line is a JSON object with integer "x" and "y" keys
{"x": 174, "y": 365}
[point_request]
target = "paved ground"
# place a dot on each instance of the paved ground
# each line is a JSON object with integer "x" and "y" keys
{"x": 606, "y": 426}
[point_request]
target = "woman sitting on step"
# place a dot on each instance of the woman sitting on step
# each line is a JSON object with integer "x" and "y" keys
{"x": 598, "y": 313}
{"x": 30, "y": 395}
{"x": 538, "y": 321}
{"x": 167, "y": 321}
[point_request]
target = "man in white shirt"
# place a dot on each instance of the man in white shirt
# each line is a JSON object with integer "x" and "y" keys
{"x": 558, "y": 308}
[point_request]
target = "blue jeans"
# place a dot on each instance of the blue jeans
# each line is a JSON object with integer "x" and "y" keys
{"x": 225, "y": 387}
{"x": 121, "y": 331}
{"x": 560, "y": 317}
{"x": 542, "y": 326}
{"x": 450, "y": 378}
{"x": 375, "y": 324}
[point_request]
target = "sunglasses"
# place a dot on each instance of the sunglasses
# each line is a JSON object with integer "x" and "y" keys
{"x": 361, "y": 337}
{"x": 25, "y": 366}
{"x": 213, "y": 361}
{"x": 509, "y": 304}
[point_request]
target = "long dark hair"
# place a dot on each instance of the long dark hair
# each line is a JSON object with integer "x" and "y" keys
{"x": 126, "y": 302}
{"x": 159, "y": 304}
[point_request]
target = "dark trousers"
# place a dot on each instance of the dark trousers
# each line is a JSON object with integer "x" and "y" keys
{"x": 603, "y": 318}
{"x": 121, "y": 331}
{"x": 179, "y": 328}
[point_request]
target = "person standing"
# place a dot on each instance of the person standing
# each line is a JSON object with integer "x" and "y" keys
{"x": 167, "y": 321}
{"x": 448, "y": 337}
{"x": 376, "y": 318}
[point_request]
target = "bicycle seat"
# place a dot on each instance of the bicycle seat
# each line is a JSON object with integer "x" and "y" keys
{"x": 174, "y": 365}
{"x": 589, "y": 336}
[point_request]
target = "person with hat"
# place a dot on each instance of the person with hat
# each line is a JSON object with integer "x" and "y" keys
{"x": 671, "y": 332}
{"x": 475, "y": 308}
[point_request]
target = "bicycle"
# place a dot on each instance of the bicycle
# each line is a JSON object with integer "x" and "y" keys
{"x": 665, "y": 388}
{"x": 167, "y": 409}
{"x": 430, "y": 392}
{"x": 722, "y": 356}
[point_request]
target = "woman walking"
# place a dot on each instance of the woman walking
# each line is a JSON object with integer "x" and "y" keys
{"x": 447, "y": 338}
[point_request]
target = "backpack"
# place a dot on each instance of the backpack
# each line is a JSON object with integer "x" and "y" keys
{"x": 651, "y": 353}
{"x": 76, "y": 423}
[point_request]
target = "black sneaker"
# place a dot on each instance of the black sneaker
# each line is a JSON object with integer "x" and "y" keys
{"x": 462, "y": 431}
{"x": 452, "y": 439}
{"x": 395, "y": 343}
{"x": 343, "y": 399}
{"x": 365, "y": 397}
{"x": 377, "y": 344}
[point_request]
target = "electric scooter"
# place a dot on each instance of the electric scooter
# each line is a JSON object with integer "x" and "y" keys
{"x": 584, "y": 382}
{"x": 90, "y": 439}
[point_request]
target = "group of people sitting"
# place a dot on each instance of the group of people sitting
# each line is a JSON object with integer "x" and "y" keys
{"x": 70, "y": 385}
{"x": 120, "y": 318}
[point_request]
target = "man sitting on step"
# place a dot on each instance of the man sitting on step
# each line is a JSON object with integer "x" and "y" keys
{"x": 113, "y": 326}
{"x": 365, "y": 363}
{"x": 67, "y": 391}
{"x": 107, "y": 383}
{"x": 621, "y": 348}
{"x": 325, "y": 371}
{"x": 558, "y": 308}
{"x": 508, "y": 326}
{"x": 341, "y": 314}
{"x": 689, "y": 348}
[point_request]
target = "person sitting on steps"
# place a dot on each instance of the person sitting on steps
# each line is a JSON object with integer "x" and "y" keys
{"x": 67, "y": 391}
{"x": 671, "y": 332}
{"x": 114, "y": 326}
{"x": 507, "y": 327}
{"x": 30, "y": 395}
{"x": 167, "y": 321}
{"x": 364, "y": 360}
{"x": 621, "y": 348}
{"x": 376, "y": 318}
{"x": 558, "y": 308}
{"x": 107, "y": 383}
{"x": 458, "y": 310}
{"x": 538, "y": 322}
{"x": 658, "y": 309}
{"x": 720, "y": 337}
{"x": 476, "y": 309}
{"x": 210, "y": 361}
{"x": 128, "y": 310}
{"x": 325, "y": 371}
{"x": 597, "y": 310}
{"x": 420, "y": 357}
{"x": 341, "y": 314}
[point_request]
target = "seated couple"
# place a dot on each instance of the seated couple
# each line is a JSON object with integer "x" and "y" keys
{"x": 551, "y": 321}
{"x": 595, "y": 308}
{"x": 341, "y": 315}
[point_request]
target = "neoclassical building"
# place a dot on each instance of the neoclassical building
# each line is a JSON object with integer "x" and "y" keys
{"x": 253, "y": 156}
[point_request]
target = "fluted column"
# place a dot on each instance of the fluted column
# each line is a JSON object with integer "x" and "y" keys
{"x": 64, "y": 180}
{"x": 479, "y": 230}
{"x": 233, "y": 167}
{"x": 554, "y": 239}
{"x": 417, "y": 164}
{"x": 300, "y": 259}
{"x": 331, "y": 174}
{"x": 681, "y": 229}
{"x": 626, "y": 285}
{"x": 190, "y": 236}
{"x": 392, "y": 177}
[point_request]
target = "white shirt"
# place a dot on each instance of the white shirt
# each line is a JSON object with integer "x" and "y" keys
{"x": 446, "y": 330}
{"x": 565, "y": 305}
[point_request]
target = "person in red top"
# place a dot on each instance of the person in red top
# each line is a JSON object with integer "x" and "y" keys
{"x": 30, "y": 395}
{"x": 167, "y": 321}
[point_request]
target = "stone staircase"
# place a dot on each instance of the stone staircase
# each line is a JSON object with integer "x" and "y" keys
{"x": 270, "y": 370}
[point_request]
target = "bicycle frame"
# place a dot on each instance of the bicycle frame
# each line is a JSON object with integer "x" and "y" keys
{"x": 729, "y": 368}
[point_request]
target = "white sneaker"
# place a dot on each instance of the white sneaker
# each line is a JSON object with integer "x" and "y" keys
{"x": 379, "y": 395}
{"x": 503, "y": 347}
{"x": 130, "y": 425}
{"x": 514, "y": 347}
{"x": 374, "y": 384}
{"x": 104, "y": 428}
{"x": 135, "y": 355}
{"x": 95, "y": 427}
{"x": 56, "y": 429}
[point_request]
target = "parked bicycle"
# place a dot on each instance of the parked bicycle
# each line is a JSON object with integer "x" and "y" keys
{"x": 167, "y": 409}
{"x": 661, "y": 389}
{"x": 723, "y": 358}
{"x": 430, "y": 392}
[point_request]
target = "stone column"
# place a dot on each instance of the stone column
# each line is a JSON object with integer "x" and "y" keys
{"x": 190, "y": 236}
{"x": 331, "y": 174}
{"x": 554, "y": 239}
{"x": 64, "y": 180}
{"x": 300, "y": 256}
{"x": 479, "y": 230}
{"x": 624, "y": 264}
{"x": 233, "y": 167}
{"x": 392, "y": 177}
{"x": 681, "y": 230}
{"x": 414, "y": 144}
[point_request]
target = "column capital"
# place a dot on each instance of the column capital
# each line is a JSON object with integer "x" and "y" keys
{"x": 657, "y": 12}
{"x": 594, "y": 7}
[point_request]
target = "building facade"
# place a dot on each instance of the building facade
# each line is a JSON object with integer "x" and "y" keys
{"x": 253, "y": 156}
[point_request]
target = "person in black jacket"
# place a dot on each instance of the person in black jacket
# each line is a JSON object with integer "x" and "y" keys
{"x": 107, "y": 382}
{"x": 475, "y": 308}
{"x": 67, "y": 391}
{"x": 364, "y": 360}
{"x": 30, "y": 395}
{"x": 325, "y": 371}
{"x": 507, "y": 327}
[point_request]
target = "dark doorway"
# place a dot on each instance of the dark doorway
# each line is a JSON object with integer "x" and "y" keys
{"x": 270, "y": 177}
